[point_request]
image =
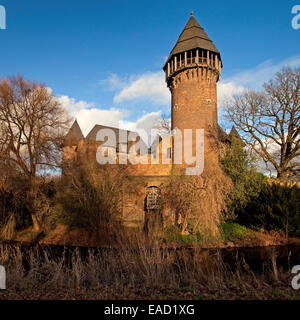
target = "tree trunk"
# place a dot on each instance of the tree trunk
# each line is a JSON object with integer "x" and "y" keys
{"x": 282, "y": 175}
{"x": 33, "y": 207}
{"x": 35, "y": 222}
{"x": 274, "y": 265}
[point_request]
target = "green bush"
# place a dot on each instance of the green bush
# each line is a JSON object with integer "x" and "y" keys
{"x": 253, "y": 201}
{"x": 247, "y": 182}
{"x": 276, "y": 208}
{"x": 233, "y": 231}
{"x": 174, "y": 234}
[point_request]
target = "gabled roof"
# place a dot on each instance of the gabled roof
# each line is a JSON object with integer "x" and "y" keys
{"x": 119, "y": 133}
{"x": 74, "y": 134}
{"x": 193, "y": 36}
{"x": 122, "y": 136}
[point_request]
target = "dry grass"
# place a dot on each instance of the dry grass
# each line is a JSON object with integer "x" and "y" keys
{"x": 147, "y": 268}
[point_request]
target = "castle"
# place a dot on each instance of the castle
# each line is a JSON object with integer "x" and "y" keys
{"x": 192, "y": 71}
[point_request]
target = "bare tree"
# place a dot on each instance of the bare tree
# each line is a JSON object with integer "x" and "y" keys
{"x": 269, "y": 122}
{"x": 32, "y": 128}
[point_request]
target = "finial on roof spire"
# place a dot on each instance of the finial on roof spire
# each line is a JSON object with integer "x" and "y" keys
{"x": 192, "y": 13}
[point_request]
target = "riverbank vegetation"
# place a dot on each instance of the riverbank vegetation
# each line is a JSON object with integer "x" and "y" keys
{"x": 140, "y": 270}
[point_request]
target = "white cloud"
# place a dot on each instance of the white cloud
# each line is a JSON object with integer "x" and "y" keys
{"x": 252, "y": 78}
{"x": 113, "y": 82}
{"x": 73, "y": 106}
{"x": 88, "y": 116}
{"x": 150, "y": 86}
{"x": 144, "y": 125}
{"x": 226, "y": 90}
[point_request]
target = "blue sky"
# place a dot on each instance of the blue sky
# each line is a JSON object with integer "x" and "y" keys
{"x": 103, "y": 58}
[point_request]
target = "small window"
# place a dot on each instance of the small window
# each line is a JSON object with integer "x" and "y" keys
{"x": 208, "y": 101}
{"x": 176, "y": 107}
{"x": 208, "y": 80}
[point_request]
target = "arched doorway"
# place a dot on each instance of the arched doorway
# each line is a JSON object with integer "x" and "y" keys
{"x": 153, "y": 210}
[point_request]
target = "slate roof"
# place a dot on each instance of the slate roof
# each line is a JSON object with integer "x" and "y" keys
{"x": 74, "y": 135}
{"x": 193, "y": 36}
{"x": 120, "y": 133}
{"x": 122, "y": 136}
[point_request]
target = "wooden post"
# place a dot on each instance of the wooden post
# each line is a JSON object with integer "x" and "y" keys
{"x": 197, "y": 56}
{"x": 185, "y": 58}
{"x": 168, "y": 69}
{"x": 175, "y": 61}
{"x": 207, "y": 57}
{"x": 274, "y": 264}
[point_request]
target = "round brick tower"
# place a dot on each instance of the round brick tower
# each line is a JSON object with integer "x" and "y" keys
{"x": 192, "y": 70}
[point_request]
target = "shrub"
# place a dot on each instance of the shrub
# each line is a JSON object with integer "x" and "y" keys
{"x": 174, "y": 234}
{"x": 16, "y": 203}
{"x": 198, "y": 201}
{"x": 247, "y": 182}
{"x": 14, "y": 212}
{"x": 233, "y": 230}
{"x": 276, "y": 208}
{"x": 91, "y": 198}
{"x": 256, "y": 203}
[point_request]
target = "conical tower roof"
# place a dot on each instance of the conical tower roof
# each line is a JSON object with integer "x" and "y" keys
{"x": 74, "y": 134}
{"x": 193, "y": 36}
